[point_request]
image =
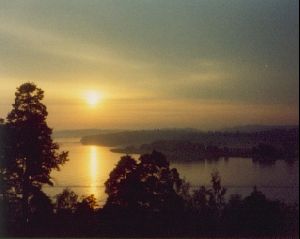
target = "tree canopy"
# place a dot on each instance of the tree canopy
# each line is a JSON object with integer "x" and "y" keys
{"x": 29, "y": 152}
{"x": 146, "y": 184}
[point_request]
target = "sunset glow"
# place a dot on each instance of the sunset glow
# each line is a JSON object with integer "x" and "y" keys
{"x": 154, "y": 63}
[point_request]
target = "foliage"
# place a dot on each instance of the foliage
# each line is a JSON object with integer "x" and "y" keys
{"x": 66, "y": 201}
{"x": 207, "y": 213}
{"x": 148, "y": 184}
{"x": 257, "y": 215}
{"x": 29, "y": 153}
{"x": 212, "y": 199}
{"x": 87, "y": 205}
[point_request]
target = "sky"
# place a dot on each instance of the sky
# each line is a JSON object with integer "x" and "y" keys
{"x": 205, "y": 64}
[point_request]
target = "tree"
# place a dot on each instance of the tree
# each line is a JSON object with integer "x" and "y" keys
{"x": 145, "y": 185}
{"x": 66, "y": 202}
{"x": 87, "y": 206}
{"x": 211, "y": 198}
{"x": 30, "y": 153}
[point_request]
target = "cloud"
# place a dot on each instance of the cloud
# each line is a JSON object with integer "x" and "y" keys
{"x": 52, "y": 44}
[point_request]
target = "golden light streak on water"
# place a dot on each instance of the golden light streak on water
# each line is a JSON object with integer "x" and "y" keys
{"x": 94, "y": 170}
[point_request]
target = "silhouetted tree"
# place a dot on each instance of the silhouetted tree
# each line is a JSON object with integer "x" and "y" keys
{"x": 74, "y": 216}
{"x": 87, "y": 205}
{"x": 30, "y": 153}
{"x": 213, "y": 198}
{"x": 262, "y": 216}
{"x": 41, "y": 212}
{"x": 217, "y": 193}
{"x": 148, "y": 184}
{"x": 66, "y": 202}
{"x": 200, "y": 199}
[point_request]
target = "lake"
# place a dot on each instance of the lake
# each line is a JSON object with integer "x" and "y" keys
{"x": 89, "y": 167}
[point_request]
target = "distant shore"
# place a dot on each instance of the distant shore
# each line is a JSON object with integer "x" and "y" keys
{"x": 189, "y": 144}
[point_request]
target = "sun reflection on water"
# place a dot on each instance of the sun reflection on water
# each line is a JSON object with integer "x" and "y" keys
{"x": 94, "y": 157}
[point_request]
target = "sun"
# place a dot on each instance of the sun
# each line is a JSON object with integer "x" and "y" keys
{"x": 93, "y": 98}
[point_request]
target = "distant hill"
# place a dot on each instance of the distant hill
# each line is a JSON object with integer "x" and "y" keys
{"x": 81, "y": 132}
{"x": 257, "y": 128}
{"x": 180, "y": 150}
{"x": 168, "y": 132}
{"x": 229, "y": 139}
{"x": 138, "y": 137}
{"x": 262, "y": 146}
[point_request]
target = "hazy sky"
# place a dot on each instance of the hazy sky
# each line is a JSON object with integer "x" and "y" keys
{"x": 167, "y": 63}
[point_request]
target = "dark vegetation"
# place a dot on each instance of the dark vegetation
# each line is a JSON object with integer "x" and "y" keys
{"x": 257, "y": 128}
{"x": 148, "y": 198}
{"x": 28, "y": 154}
{"x": 179, "y": 150}
{"x": 236, "y": 139}
{"x": 187, "y": 145}
{"x": 145, "y": 197}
